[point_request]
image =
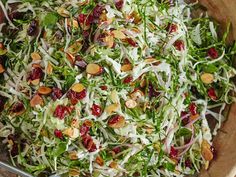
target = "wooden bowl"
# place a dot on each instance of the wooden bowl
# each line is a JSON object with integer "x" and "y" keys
{"x": 224, "y": 165}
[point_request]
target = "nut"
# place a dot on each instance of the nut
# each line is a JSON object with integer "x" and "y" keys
{"x": 36, "y": 100}
{"x": 137, "y": 94}
{"x": 126, "y": 67}
{"x": 35, "y": 82}
{"x": 71, "y": 132}
{"x": 116, "y": 121}
{"x": 109, "y": 40}
{"x": 94, "y": 69}
{"x": 49, "y": 68}
{"x": 206, "y": 151}
{"x": 63, "y": 12}
{"x": 35, "y": 56}
{"x": 74, "y": 172}
{"x": 114, "y": 96}
{"x": 99, "y": 160}
{"x": 207, "y": 78}
{"x": 113, "y": 164}
{"x": 44, "y": 90}
{"x": 130, "y": 104}
{"x": 73, "y": 155}
{"x": 112, "y": 108}
{"x": 118, "y": 34}
{"x": 78, "y": 87}
{"x": 2, "y": 70}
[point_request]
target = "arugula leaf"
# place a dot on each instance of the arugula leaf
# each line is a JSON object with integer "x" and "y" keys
{"x": 59, "y": 149}
{"x": 50, "y": 19}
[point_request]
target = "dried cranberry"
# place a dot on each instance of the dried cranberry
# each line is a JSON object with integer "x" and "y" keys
{"x": 16, "y": 15}
{"x": 185, "y": 120}
{"x": 214, "y": 152}
{"x": 171, "y": 28}
{"x": 36, "y": 73}
{"x": 88, "y": 143}
{"x": 61, "y": 111}
{"x": 74, "y": 96}
{"x": 193, "y": 108}
{"x": 173, "y": 152}
{"x": 81, "y": 95}
{"x": 12, "y": 137}
{"x": 33, "y": 28}
{"x": 80, "y": 62}
{"x": 152, "y": 92}
{"x": 56, "y": 93}
{"x": 97, "y": 11}
{"x": 128, "y": 79}
{"x": 212, "y": 93}
{"x": 103, "y": 87}
{"x": 131, "y": 42}
{"x": 119, "y": 4}
{"x": 58, "y": 133}
{"x": 14, "y": 150}
{"x": 114, "y": 119}
{"x": 213, "y": 53}
{"x": 96, "y": 110}
{"x": 179, "y": 45}
{"x": 116, "y": 150}
{"x": 86, "y": 33}
{"x": 17, "y": 107}
{"x": 84, "y": 129}
{"x": 188, "y": 163}
{"x": 85, "y": 19}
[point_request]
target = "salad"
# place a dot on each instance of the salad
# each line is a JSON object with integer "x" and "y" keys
{"x": 111, "y": 87}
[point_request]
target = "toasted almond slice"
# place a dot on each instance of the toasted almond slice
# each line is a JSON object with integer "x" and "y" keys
{"x": 35, "y": 56}
{"x": 109, "y": 40}
{"x": 151, "y": 60}
{"x": 206, "y": 151}
{"x": 99, "y": 160}
{"x": 207, "y": 78}
{"x": 75, "y": 123}
{"x": 137, "y": 94}
{"x": 143, "y": 83}
{"x": 94, "y": 69}
{"x": 49, "y": 68}
{"x": 193, "y": 117}
{"x": 44, "y": 90}
{"x": 130, "y": 103}
{"x": 136, "y": 30}
{"x": 2, "y": 70}
{"x": 71, "y": 132}
{"x": 113, "y": 164}
{"x": 88, "y": 123}
{"x": 114, "y": 96}
{"x": 35, "y": 82}
{"x": 118, "y": 34}
{"x": 73, "y": 155}
{"x": 116, "y": 121}
{"x": 36, "y": 65}
{"x": 75, "y": 48}
{"x": 63, "y": 12}
{"x": 36, "y": 100}
{"x": 78, "y": 87}
{"x": 74, "y": 23}
{"x": 126, "y": 67}
{"x": 111, "y": 108}
{"x": 74, "y": 172}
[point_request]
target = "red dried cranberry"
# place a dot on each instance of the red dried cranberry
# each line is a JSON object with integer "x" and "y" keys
{"x": 36, "y": 73}
{"x": 56, "y": 93}
{"x": 97, "y": 11}
{"x": 16, "y": 15}
{"x": 61, "y": 111}
{"x": 185, "y": 120}
{"x": 131, "y": 42}
{"x": 96, "y": 110}
{"x": 152, "y": 92}
{"x": 81, "y": 95}
{"x": 119, "y": 4}
{"x": 116, "y": 150}
{"x": 74, "y": 96}
{"x": 86, "y": 33}
{"x": 212, "y": 93}
{"x": 84, "y": 129}
{"x": 173, "y": 152}
{"x": 58, "y": 133}
{"x": 179, "y": 45}
{"x": 171, "y": 28}
{"x": 213, "y": 53}
{"x": 33, "y": 28}
{"x": 114, "y": 119}
{"x": 14, "y": 150}
{"x": 80, "y": 62}
{"x": 103, "y": 87}
{"x": 85, "y": 19}
{"x": 193, "y": 108}
{"x": 88, "y": 143}
{"x": 214, "y": 152}
{"x": 188, "y": 163}
{"x": 128, "y": 79}
{"x": 17, "y": 107}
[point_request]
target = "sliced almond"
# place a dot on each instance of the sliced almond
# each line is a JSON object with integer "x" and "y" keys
{"x": 63, "y": 12}
{"x": 2, "y": 70}
{"x": 44, "y": 90}
{"x": 112, "y": 108}
{"x": 109, "y": 40}
{"x": 207, "y": 78}
{"x": 35, "y": 82}
{"x": 36, "y": 100}
{"x": 71, "y": 132}
{"x": 88, "y": 123}
{"x": 75, "y": 48}
{"x": 143, "y": 83}
{"x": 75, "y": 123}
{"x": 137, "y": 94}
{"x": 151, "y": 61}
{"x": 118, "y": 34}
{"x": 94, "y": 69}
{"x": 74, "y": 172}
{"x": 194, "y": 117}
{"x": 113, "y": 164}
{"x": 49, "y": 68}
{"x": 73, "y": 155}
{"x": 72, "y": 23}
{"x": 114, "y": 96}
{"x": 35, "y": 56}
{"x": 78, "y": 87}
{"x": 206, "y": 151}
{"x": 36, "y": 65}
{"x": 126, "y": 67}
{"x": 116, "y": 121}
{"x": 99, "y": 160}
{"x": 130, "y": 104}
{"x": 70, "y": 58}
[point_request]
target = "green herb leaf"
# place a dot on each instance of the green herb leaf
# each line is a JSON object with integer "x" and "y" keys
{"x": 50, "y": 19}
